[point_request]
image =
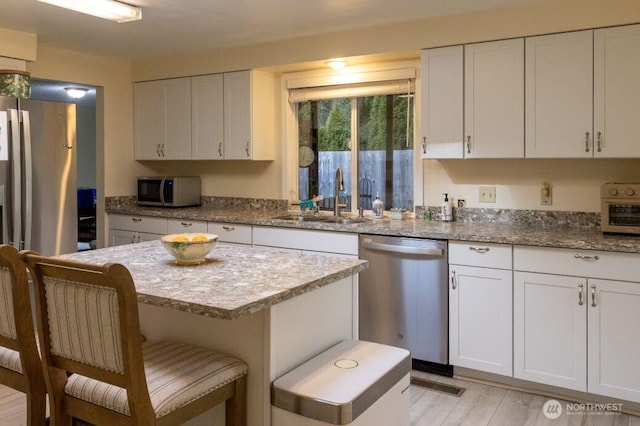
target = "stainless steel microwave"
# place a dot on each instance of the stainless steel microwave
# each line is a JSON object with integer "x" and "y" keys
{"x": 620, "y": 208}
{"x": 169, "y": 191}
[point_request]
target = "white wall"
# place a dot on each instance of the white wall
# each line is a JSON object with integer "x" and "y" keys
{"x": 575, "y": 182}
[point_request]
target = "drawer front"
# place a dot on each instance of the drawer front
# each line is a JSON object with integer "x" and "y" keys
{"x": 154, "y": 225}
{"x": 497, "y": 256}
{"x": 580, "y": 263}
{"x": 177, "y": 226}
{"x": 324, "y": 241}
{"x": 231, "y": 232}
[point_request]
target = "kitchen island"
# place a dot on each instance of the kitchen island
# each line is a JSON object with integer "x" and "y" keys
{"x": 272, "y": 309}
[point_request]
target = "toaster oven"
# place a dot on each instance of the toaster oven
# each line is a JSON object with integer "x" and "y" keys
{"x": 620, "y": 208}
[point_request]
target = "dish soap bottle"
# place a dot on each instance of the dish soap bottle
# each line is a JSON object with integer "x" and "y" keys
{"x": 446, "y": 209}
{"x": 377, "y": 208}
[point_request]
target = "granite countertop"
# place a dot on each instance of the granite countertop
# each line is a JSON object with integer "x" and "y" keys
{"x": 530, "y": 235}
{"x": 234, "y": 281}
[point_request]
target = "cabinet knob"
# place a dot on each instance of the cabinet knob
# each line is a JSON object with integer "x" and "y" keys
{"x": 583, "y": 257}
{"x": 580, "y": 288}
{"x": 586, "y": 142}
{"x": 479, "y": 249}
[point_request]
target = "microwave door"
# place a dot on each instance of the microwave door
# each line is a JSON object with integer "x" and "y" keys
{"x": 149, "y": 191}
{"x": 162, "y": 189}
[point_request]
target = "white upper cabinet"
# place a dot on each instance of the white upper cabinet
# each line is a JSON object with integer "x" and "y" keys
{"x": 617, "y": 91}
{"x": 494, "y": 99}
{"x": 207, "y": 117}
{"x": 559, "y": 95}
{"x": 162, "y": 119}
{"x": 249, "y": 118}
{"x": 442, "y": 102}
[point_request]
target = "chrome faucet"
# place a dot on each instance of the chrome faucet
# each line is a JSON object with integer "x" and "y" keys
{"x": 339, "y": 187}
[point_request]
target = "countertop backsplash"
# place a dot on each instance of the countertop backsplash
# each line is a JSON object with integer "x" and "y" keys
{"x": 544, "y": 218}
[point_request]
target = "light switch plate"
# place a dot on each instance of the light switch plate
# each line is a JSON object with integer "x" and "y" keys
{"x": 487, "y": 194}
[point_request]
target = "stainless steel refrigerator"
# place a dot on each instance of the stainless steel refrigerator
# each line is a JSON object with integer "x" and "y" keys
{"x": 38, "y": 175}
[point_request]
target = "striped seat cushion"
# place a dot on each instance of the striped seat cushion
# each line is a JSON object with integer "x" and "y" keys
{"x": 10, "y": 359}
{"x": 176, "y": 375}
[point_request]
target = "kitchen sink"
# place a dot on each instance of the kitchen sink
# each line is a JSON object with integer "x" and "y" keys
{"x": 326, "y": 219}
{"x": 303, "y": 217}
{"x": 346, "y": 220}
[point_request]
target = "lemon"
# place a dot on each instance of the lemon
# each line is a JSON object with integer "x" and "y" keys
{"x": 199, "y": 237}
{"x": 180, "y": 239}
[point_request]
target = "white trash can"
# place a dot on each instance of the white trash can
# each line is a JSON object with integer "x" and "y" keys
{"x": 352, "y": 383}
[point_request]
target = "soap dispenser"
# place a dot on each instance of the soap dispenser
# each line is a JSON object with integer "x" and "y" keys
{"x": 377, "y": 208}
{"x": 446, "y": 209}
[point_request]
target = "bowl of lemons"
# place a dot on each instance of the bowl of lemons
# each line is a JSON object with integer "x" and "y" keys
{"x": 189, "y": 249}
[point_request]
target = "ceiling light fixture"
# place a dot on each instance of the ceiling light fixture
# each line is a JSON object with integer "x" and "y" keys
{"x": 76, "y": 92}
{"x": 336, "y": 63}
{"x": 107, "y": 9}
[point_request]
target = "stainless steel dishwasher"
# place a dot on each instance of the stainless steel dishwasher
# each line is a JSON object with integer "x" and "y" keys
{"x": 404, "y": 298}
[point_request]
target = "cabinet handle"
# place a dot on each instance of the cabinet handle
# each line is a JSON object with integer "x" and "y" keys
{"x": 136, "y": 219}
{"x": 580, "y": 288}
{"x": 186, "y": 224}
{"x": 593, "y": 295}
{"x": 586, "y": 142}
{"x": 220, "y": 149}
{"x": 158, "y": 150}
{"x": 228, "y": 228}
{"x": 424, "y": 145}
{"x": 453, "y": 280}
{"x": 479, "y": 249}
{"x": 583, "y": 257}
{"x": 468, "y": 144}
{"x": 599, "y": 140}
{"x": 133, "y": 239}
{"x": 247, "y": 149}
{"x": 162, "y": 150}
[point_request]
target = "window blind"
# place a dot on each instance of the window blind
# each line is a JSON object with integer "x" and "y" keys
{"x": 379, "y": 88}
{"x": 309, "y": 87}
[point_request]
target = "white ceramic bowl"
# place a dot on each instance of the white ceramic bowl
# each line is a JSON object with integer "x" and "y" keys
{"x": 189, "y": 249}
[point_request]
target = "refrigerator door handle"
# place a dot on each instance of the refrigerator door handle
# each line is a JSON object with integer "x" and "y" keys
{"x": 16, "y": 189}
{"x": 28, "y": 181}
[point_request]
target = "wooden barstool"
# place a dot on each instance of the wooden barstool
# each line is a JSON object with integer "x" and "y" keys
{"x": 20, "y": 364}
{"x": 97, "y": 369}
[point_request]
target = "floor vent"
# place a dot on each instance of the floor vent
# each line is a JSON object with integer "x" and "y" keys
{"x": 439, "y": 387}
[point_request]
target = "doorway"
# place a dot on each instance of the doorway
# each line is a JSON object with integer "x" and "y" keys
{"x": 49, "y": 90}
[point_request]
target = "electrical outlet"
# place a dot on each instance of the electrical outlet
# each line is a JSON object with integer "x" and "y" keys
{"x": 487, "y": 194}
{"x": 546, "y": 195}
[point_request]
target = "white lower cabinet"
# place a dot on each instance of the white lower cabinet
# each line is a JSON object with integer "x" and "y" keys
{"x": 614, "y": 342}
{"x": 231, "y": 232}
{"x": 126, "y": 229}
{"x": 550, "y": 330}
{"x": 317, "y": 242}
{"x": 178, "y": 226}
{"x": 577, "y": 332}
{"x": 480, "y": 307}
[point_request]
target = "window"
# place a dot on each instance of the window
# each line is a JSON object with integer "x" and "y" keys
{"x": 381, "y": 158}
